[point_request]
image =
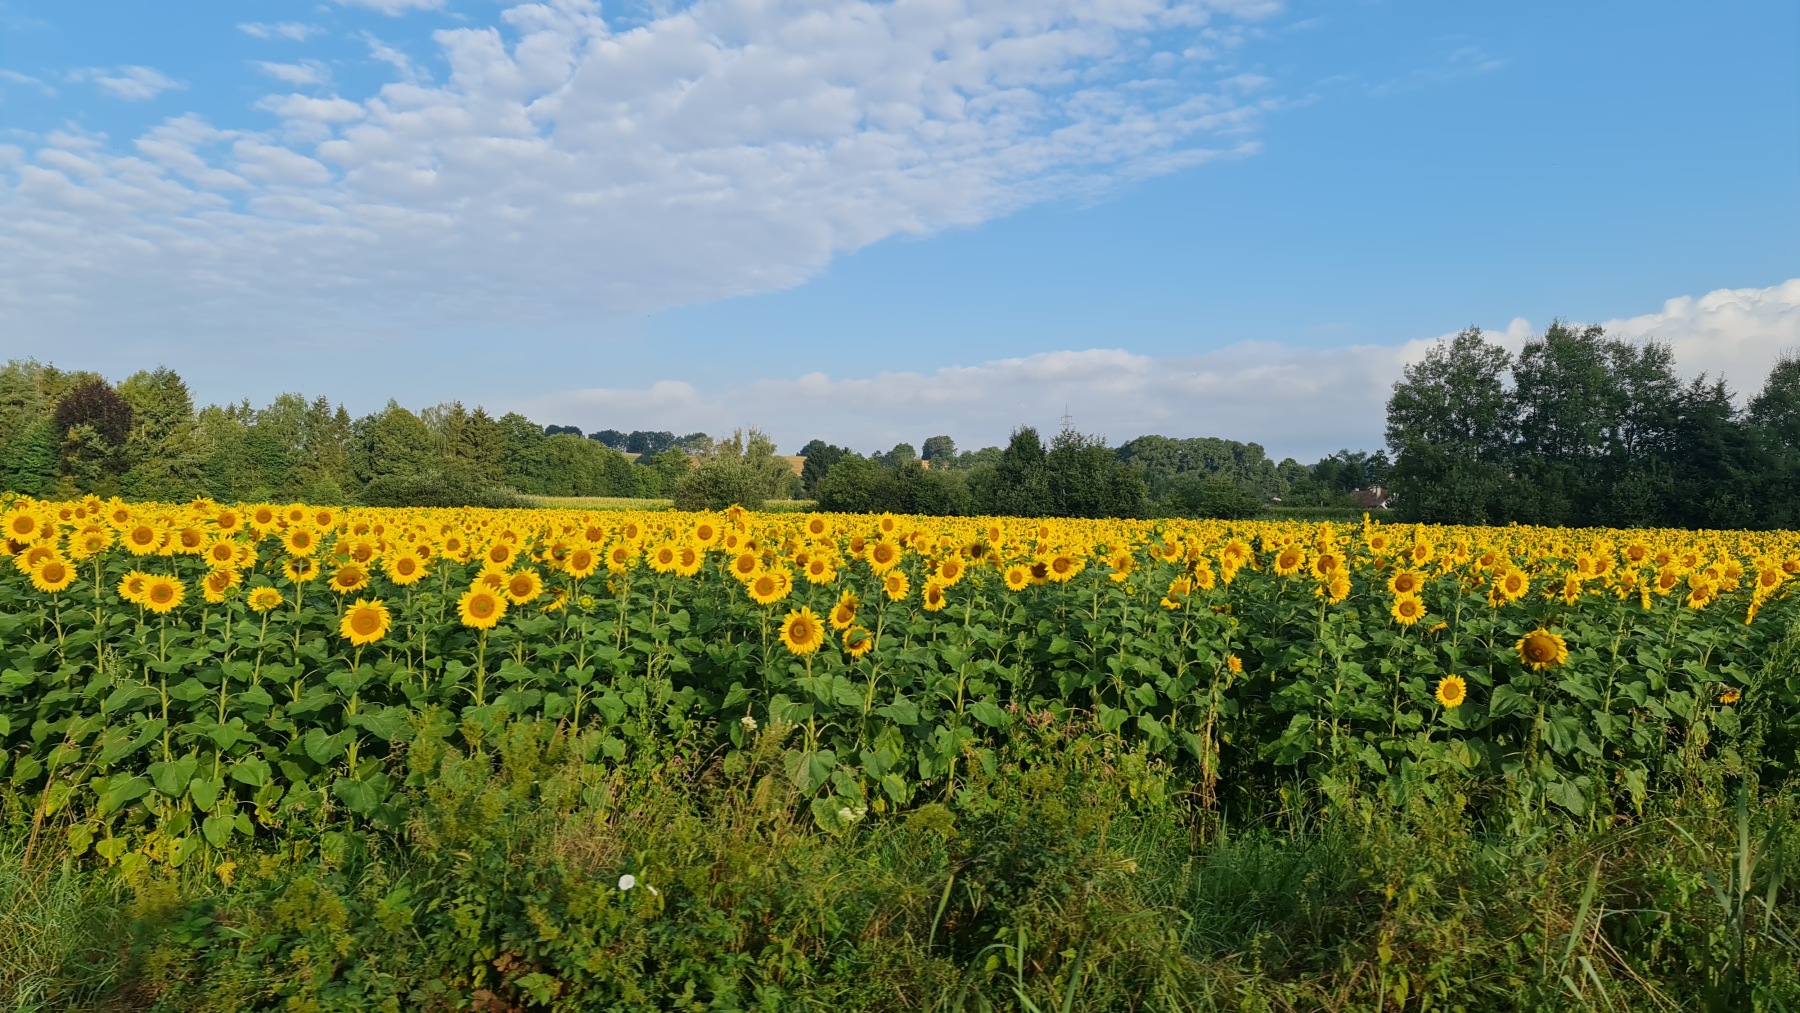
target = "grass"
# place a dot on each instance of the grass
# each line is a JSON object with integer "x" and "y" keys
{"x": 61, "y": 930}
{"x": 1076, "y": 875}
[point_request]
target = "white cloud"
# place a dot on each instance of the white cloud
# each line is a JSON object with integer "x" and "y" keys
{"x": 565, "y": 171}
{"x": 393, "y": 7}
{"x": 1300, "y": 402}
{"x": 1736, "y": 333}
{"x": 133, "y": 84}
{"x": 14, "y": 77}
{"x": 303, "y": 73}
{"x": 292, "y": 31}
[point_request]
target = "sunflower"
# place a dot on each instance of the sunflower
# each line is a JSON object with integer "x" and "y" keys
{"x": 858, "y": 641}
{"x": 1542, "y": 649}
{"x": 90, "y": 541}
{"x": 143, "y": 539}
{"x": 581, "y": 562}
{"x": 746, "y": 565}
{"x": 817, "y": 525}
{"x": 300, "y": 541}
{"x": 1325, "y": 564}
{"x": 768, "y": 588}
{"x": 555, "y": 599}
{"x": 365, "y": 622}
{"x": 162, "y": 594}
{"x": 1017, "y": 577}
{"x": 1289, "y": 560}
{"x": 883, "y": 556}
{"x": 844, "y": 612}
{"x": 217, "y": 583}
{"x": 820, "y": 571}
{"x": 801, "y": 632}
{"x": 1731, "y": 695}
{"x": 688, "y": 559}
{"x": 950, "y": 571}
{"x": 1512, "y": 585}
{"x": 264, "y": 599}
{"x": 1406, "y": 582}
{"x": 52, "y": 575}
{"x": 404, "y": 569}
{"x": 25, "y": 526}
{"x": 1407, "y": 610}
{"x": 349, "y": 577}
{"x": 1452, "y": 691}
{"x": 132, "y": 586}
{"x": 221, "y": 553}
{"x": 933, "y": 596}
{"x": 300, "y": 569}
{"x": 896, "y": 586}
{"x": 524, "y": 586}
{"x": 1062, "y": 567}
{"x": 499, "y": 553}
{"x": 664, "y": 559}
{"x": 1235, "y": 664}
{"x": 481, "y": 608}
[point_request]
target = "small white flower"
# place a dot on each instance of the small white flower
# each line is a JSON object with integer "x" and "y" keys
{"x": 627, "y": 881}
{"x": 849, "y": 815}
{"x": 748, "y": 722}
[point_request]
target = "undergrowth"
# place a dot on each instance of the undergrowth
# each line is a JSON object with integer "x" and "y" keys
{"x": 1069, "y": 873}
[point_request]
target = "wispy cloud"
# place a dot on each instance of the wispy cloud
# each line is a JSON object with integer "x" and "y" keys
{"x": 393, "y": 7}
{"x": 292, "y": 31}
{"x": 1457, "y": 63}
{"x": 25, "y": 80}
{"x": 562, "y": 172}
{"x": 303, "y": 73}
{"x": 131, "y": 83}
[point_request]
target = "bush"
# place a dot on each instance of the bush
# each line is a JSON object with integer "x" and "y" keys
{"x": 439, "y": 489}
{"x": 1213, "y": 496}
{"x": 718, "y": 484}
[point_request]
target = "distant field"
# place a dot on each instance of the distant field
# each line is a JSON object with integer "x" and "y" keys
{"x": 629, "y": 503}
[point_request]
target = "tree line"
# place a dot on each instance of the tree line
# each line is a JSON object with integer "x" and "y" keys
{"x": 1579, "y": 428}
{"x": 64, "y": 432}
{"x": 1584, "y": 429}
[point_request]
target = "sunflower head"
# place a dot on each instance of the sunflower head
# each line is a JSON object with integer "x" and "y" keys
{"x": 858, "y": 641}
{"x": 801, "y": 632}
{"x": 365, "y": 622}
{"x": 481, "y": 608}
{"x": 1452, "y": 691}
{"x": 1541, "y": 649}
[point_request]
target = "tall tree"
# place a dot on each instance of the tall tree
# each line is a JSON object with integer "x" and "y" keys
{"x": 1451, "y": 423}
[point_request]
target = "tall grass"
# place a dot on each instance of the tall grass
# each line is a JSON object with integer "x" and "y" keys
{"x": 1066, "y": 873}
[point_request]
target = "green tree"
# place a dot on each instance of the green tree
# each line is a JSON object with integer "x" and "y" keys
{"x": 28, "y": 461}
{"x": 1020, "y": 485}
{"x": 1086, "y": 479}
{"x": 939, "y": 450}
{"x": 1451, "y": 423}
{"x": 391, "y": 443}
{"x": 721, "y": 482}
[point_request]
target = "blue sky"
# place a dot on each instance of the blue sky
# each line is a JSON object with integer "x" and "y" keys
{"x": 873, "y": 222}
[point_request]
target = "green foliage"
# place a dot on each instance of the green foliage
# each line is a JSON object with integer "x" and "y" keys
{"x": 438, "y": 489}
{"x": 1213, "y": 496}
{"x": 719, "y": 483}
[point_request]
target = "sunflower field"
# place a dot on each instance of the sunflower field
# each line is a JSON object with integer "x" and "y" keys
{"x": 174, "y": 676}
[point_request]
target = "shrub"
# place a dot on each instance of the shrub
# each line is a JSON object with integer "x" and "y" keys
{"x": 718, "y": 484}
{"x": 439, "y": 489}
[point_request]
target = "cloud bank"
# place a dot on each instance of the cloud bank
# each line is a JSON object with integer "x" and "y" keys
{"x": 1298, "y": 402}
{"x": 561, "y": 171}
